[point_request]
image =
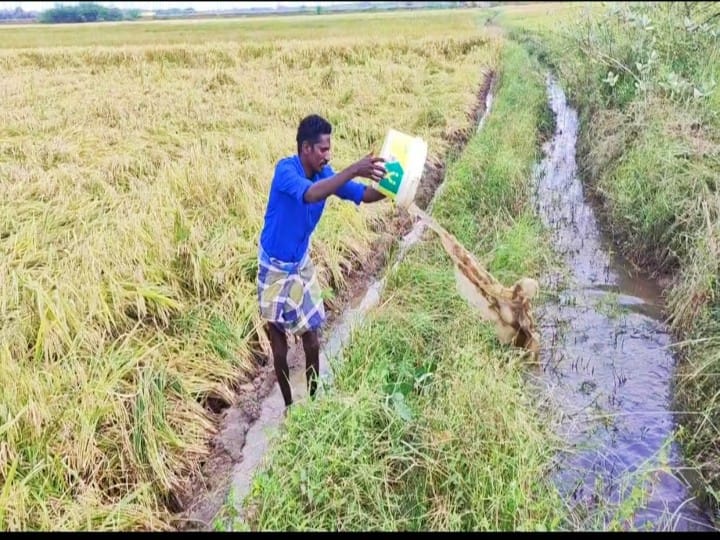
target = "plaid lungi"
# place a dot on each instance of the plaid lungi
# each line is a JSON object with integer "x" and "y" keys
{"x": 289, "y": 294}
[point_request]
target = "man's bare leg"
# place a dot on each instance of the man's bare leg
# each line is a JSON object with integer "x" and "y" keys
{"x": 278, "y": 343}
{"x": 311, "y": 345}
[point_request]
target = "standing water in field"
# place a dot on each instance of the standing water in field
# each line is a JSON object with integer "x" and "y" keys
{"x": 606, "y": 357}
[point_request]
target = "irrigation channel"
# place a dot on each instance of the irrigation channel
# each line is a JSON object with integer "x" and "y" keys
{"x": 606, "y": 357}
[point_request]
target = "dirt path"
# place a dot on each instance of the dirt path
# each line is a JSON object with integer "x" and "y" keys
{"x": 246, "y": 428}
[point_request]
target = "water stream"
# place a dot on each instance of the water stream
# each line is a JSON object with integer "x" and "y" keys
{"x": 607, "y": 358}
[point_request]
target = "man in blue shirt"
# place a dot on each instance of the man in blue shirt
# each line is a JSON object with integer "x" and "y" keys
{"x": 288, "y": 290}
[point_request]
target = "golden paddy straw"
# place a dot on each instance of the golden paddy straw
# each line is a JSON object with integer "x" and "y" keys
{"x": 133, "y": 181}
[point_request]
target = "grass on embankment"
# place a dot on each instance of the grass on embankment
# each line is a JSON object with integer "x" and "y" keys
{"x": 644, "y": 79}
{"x": 430, "y": 424}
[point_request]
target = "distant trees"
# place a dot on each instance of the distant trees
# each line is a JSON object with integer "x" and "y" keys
{"x": 86, "y": 12}
{"x": 15, "y": 14}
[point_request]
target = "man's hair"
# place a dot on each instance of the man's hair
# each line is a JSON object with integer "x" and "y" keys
{"x": 310, "y": 129}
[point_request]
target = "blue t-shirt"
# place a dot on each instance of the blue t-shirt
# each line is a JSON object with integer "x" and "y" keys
{"x": 289, "y": 220}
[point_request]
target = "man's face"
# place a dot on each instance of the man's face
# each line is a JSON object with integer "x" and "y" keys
{"x": 317, "y": 155}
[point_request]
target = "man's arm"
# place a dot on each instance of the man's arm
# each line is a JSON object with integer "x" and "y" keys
{"x": 322, "y": 189}
{"x": 372, "y": 195}
{"x": 368, "y": 167}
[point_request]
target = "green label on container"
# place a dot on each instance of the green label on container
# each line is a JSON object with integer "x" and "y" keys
{"x": 390, "y": 184}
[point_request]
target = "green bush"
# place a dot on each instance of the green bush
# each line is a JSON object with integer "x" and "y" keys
{"x": 86, "y": 12}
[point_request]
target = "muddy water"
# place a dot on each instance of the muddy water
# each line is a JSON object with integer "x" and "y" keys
{"x": 607, "y": 359}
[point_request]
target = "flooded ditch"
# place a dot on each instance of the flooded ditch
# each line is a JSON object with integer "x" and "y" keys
{"x": 607, "y": 358}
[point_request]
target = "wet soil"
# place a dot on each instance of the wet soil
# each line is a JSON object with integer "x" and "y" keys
{"x": 244, "y": 429}
{"x": 607, "y": 359}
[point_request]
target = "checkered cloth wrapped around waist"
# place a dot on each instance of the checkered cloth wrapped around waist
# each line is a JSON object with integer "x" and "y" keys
{"x": 289, "y": 294}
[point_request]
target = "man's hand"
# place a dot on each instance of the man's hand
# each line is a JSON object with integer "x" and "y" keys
{"x": 370, "y": 167}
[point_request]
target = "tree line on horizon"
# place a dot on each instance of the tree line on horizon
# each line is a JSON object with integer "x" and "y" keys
{"x": 93, "y": 12}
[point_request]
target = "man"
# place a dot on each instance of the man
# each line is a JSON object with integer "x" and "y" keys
{"x": 288, "y": 290}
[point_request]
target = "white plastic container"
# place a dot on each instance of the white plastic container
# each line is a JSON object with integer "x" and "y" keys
{"x": 405, "y": 157}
